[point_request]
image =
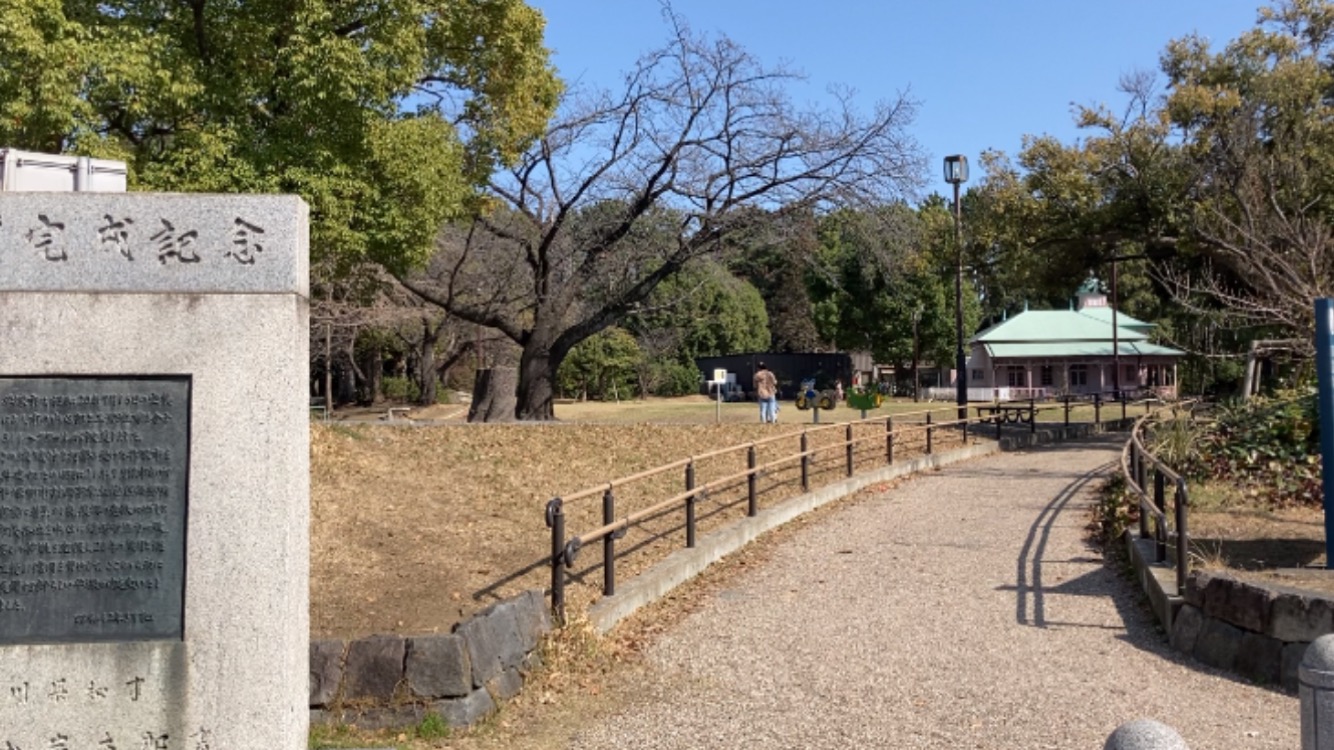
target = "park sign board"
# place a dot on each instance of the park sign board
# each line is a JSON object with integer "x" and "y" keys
{"x": 154, "y": 472}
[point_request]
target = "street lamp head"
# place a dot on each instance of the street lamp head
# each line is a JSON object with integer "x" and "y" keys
{"x": 956, "y": 169}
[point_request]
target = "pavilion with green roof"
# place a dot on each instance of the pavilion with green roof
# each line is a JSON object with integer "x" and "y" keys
{"x": 1040, "y": 353}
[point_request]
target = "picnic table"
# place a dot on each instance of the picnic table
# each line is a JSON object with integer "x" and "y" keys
{"x": 998, "y": 413}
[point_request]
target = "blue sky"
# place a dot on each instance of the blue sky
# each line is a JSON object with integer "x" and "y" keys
{"x": 985, "y": 72}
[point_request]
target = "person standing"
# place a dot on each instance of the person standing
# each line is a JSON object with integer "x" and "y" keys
{"x": 766, "y": 390}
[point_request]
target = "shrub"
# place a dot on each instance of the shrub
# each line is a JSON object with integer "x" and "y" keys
{"x": 1268, "y": 447}
{"x": 401, "y": 389}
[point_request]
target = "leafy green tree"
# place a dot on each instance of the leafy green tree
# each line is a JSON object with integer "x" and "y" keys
{"x": 1258, "y": 121}
{"x": 602, "y": 366}
{"x": 887, "y": 284}
{"x": 384, "y": 116}
{"x": 702, "y": 311}
{"x": 777, "y": 256}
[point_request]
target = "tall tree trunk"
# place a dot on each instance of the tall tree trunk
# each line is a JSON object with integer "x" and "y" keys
{"x": 426, "y": 383}
{"x": 493, "y": 395}
{"x": 537, "y": 379}
{"x": 426, "y": 366}
{"x": 371, "y": 371}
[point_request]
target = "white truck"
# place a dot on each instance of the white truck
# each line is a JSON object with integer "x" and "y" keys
{"x": 30, "y": 171}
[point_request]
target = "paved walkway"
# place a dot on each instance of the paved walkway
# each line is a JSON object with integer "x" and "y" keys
{"x": 963, "y": 609}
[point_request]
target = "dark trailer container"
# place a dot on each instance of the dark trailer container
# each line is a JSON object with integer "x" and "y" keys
{"x": 790, "y": 369}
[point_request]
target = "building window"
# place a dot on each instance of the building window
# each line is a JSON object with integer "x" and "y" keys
{"x": 1079, "y": 375}
{"x": 977, "y": 375}
{"x": 1046, "y": 375}
{"x": 1015, "y": 377}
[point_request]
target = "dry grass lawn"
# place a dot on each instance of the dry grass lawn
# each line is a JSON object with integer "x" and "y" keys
{"x": 416, "y": 526}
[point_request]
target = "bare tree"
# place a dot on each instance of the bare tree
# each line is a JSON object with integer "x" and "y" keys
{"x": 348, "y": 306}
{"x": 1262, "y": 217}
{"x": 624, "y": 190}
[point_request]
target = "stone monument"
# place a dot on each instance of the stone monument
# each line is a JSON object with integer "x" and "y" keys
{"x": 154, "y": 472}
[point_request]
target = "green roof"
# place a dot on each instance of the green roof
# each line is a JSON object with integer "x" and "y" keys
{"x": 1077, "y": 349}
{"x": 1034, "y": 326}
{"x": 1122, "y": 320}
{"x": 1069, "y": 333}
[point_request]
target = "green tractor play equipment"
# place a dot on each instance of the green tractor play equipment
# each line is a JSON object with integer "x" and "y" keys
{"x": 861, "y": 397}
{"x": 808, "y": 397}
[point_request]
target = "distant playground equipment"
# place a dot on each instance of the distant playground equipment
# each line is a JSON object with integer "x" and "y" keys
{"x": 865, "y": 398}
{"x": 808, "y": 397}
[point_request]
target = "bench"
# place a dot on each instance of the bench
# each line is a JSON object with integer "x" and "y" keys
{"x": 397, "y": 412}
{"x": 318, "y": 405}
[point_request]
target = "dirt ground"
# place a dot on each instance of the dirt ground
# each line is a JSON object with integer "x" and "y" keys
{"x": 418, "y": 524}
{"x": 1285, "y": 546}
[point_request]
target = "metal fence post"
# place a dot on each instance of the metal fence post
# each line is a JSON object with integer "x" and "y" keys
{"x": 1124, "y": 399}
{"x": 849, "y": 448}
{"x": 556, "y": 522}
{"x": 1181, "y": 501}
{"x": 1032, "y": 416}
{"x": 751, "y": 504}
{"x": 889, "y": 440}
{"x": 1067, "y": 409}
{"x": 1160, "y": 502}
{"x": 928, "y": 433}
{"x": 805, "y": 463}
{"x": 1137, "y": 477}
{"x": 999, "y": 417}
{"x": 690, "y": 504}
{"x": 608, "y": 545}
{"x": 965, "y": 426}
{"x": 1097, "y": 408}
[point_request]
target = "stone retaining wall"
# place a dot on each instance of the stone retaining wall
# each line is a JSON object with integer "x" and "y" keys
{"x": 390, "y": 681}
{"x": 1257, "y": 631}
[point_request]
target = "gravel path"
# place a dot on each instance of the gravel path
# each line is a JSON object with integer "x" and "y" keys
{"x": 962, "y": 609}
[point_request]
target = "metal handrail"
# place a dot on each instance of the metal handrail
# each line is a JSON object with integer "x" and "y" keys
{"x": 1137, "y": 461}
{"x": 897, "y": 426}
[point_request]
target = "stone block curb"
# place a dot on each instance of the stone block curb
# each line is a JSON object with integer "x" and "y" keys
{"x": 391, "y": 681}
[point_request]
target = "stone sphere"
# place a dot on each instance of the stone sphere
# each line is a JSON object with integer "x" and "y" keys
{"x": 1145, "y": 734}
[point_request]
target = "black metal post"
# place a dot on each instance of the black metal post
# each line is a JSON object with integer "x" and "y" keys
{"x": 1097, "y": 408}
{"x": 690, "y": 505}
{"x": 805, "y": 464}
{"x": 849, "y": 448}
{"x": 556, "y": 522}
{"x": 751, "y": 503}
{"x": 928, "y": 433}
{"x": 960, "y": 361}
{"x": 999, "y": 416}
{"x": 1135, "y": 476}
{"x": 1032, "y": 415}
{"x": 1116, "y": 341}
{"x": 889, "y": 440}
{"x": 608, "y": 545}
{"x": 1067, "y": 409}
{"x": 1160, "y": 502}
{"x": 1181, "y": 502}
{"x": 1123, "y": 406}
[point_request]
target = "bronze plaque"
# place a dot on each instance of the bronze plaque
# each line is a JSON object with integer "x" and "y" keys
{"x": 94, "y": 480}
